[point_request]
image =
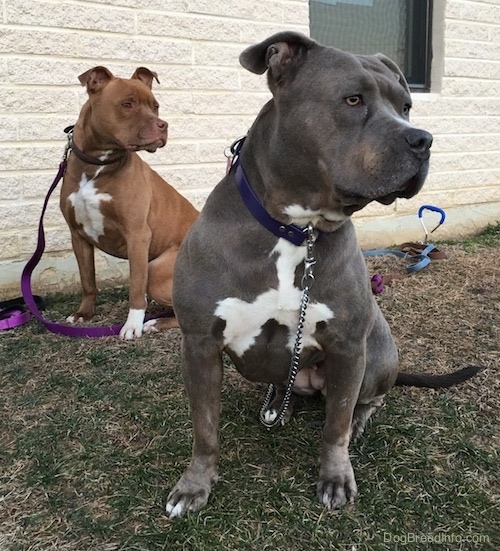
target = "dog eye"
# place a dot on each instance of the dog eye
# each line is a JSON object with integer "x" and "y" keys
{"x": 354, "y": 101}
{"x": 127, "y": 105}
{"x": 406, "y": 109}
{"x": 156, "y": 108}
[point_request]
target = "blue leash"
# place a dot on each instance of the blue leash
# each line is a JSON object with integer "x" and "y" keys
{"x": 418, "y": 261}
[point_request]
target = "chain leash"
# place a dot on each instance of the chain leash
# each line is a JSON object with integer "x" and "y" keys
{"x": 307, "y": 281}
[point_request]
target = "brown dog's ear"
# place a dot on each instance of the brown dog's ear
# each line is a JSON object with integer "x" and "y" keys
{"x": 95, "y": 79}
{"x": 395, "y": 69}
{"x": 146, "y": 76}
{"x": 280, "y": 53}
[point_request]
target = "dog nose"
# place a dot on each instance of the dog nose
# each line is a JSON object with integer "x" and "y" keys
{"x": 162, "y": 125}
{"x": 419, "y": 140}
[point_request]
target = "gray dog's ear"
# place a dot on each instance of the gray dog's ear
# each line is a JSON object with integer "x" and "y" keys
{"x": 95, "y": 79}
{"x": 395, "y": 69}
{"x": 146, "y": 76}
{"x": 278, "y": 53}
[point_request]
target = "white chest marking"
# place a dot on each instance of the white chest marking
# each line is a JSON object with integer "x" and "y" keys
{"x": 244, "y": 320}
{"x": 86, "y": 202}
{"x": 302, "y": 216}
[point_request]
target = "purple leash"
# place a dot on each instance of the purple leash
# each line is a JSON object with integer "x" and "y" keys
{"x": 60, "y": 328}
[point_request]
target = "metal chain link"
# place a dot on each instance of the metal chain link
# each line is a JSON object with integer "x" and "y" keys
{"x": 307, "y": 281}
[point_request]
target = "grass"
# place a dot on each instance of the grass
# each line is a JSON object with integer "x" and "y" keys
{"x": 95, "y": 433}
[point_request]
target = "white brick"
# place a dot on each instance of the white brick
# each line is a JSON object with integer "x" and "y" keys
{"x": 464, "y": 142}
{"x": 473, "y": 50}
{"x": 253, "y": 32}
{"x": 478, "y": 11}
{"x": 48, "y": 100}
{"x": 453, "y": 9}
{"x": 230, "y": 104}
{"x": 203, "y": 128}
{"x": 68, "y": 16}
{"x": 296, "y": 13}
{"x": 24, "y": 157}
{"x": 424, "y": 105}
{"x": 462, "y": 31}
{"x": 201, "y": 78}
{"x": 239, "y": 9}
{"x": 458, "y": 125}
{"x": 172, "y": 102}
{"x": 24, "y": 41}
{"x": 462, "y": 179}
{"x": 8, "y": 129}
{"x": 450, "y": 198}
{"x": 160, "y": 5}
{"x": 188, "y": 27}
{"x": 472, "y": 69}
{"x": 443, "y": 162}
{"x": 10, "y": 187}
{"x": 139, "y": 50}
{"x": 216, "y": 54}
{"x": 45, "y": 128}
{"x": 193, "y": 178}
{"x": 470, "y": 87}
{"x": 26, "y": 215}
{"x": 173, "y": 153}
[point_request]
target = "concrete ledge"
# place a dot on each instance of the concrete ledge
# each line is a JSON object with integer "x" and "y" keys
{"x": 460, "y": 222}
{"x": 59, "y": 272}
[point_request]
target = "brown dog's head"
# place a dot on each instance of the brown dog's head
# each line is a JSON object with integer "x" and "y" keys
{"x": 124, "y": 112}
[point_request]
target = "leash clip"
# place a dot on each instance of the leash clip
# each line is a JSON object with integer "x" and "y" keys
{"x": 309, "y": 261}
{"x": 69, "y": 131}
{"x": 433, "y": 209}
{"x": 233, "y": 151}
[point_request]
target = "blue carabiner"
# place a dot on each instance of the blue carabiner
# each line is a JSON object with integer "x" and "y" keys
{"x": 433, "y": 209}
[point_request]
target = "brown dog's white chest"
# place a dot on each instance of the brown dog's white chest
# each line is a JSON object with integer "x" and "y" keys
{"x": 86, "y": 202}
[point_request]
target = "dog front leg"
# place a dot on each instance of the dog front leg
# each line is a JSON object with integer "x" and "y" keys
{"x": 138, "y": 253}
{"x": 344, "y": 374}
{"x": 84, "y": 253}
{"x": 202, "y": 375}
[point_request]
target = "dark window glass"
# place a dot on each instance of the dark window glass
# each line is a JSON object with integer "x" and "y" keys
{"x": 400, "y": 29}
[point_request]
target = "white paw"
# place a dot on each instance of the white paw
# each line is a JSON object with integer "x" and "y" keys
{"x": 270, "y": 416}
{"x": 134, "y": 324}
{"x": 174, "y": 511}
{"x": 149, "y": 326}
{"x": 72, "y": 320}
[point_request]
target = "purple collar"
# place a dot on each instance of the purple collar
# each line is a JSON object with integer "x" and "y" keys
{"x": 290, "y": 232}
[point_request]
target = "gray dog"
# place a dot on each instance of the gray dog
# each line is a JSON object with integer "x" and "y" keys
{"x": 334, "y": 137}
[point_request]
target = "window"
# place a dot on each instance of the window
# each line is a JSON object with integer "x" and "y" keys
{"x": 400, "y": 29}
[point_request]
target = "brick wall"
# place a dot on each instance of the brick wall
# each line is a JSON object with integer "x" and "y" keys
{"x": 209, "y": 100}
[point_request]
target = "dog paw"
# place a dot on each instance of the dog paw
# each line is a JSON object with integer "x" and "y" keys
{"x": 77, "y": 318}
{"x": 271, "y": 414}
{"x": 150, "y": 326}
{"x": 337, "y": 491}
{"x": 188, "y": 496}
{"x": 133, "y": 326}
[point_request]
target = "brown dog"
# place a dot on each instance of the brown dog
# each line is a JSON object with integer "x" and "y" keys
{"x": 113, "y": 200}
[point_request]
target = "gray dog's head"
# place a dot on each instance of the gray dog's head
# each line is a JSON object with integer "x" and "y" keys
{"x": 340, "y": 122}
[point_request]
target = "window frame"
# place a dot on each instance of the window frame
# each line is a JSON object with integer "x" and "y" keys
{"x": 418, "y": 54}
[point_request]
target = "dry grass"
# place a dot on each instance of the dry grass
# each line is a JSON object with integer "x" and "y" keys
{"x": 95, "y": 432}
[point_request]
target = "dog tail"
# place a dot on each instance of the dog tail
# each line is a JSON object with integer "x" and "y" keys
{"x": 437, "y": 381}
